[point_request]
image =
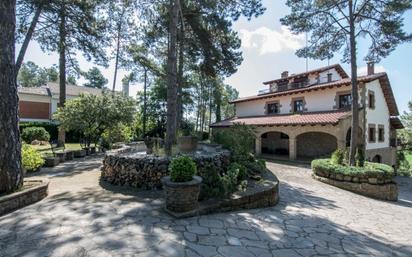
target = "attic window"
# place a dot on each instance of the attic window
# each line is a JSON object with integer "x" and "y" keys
{"x": 371, "y": 100}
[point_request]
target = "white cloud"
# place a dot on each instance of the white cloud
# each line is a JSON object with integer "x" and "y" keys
{"x": 364, "y": 69}
{"x": 267, "y": 41}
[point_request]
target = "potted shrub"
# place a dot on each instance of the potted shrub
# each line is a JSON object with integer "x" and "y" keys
{"x": 187, "y": 143}
{"x": 182, "y": 186}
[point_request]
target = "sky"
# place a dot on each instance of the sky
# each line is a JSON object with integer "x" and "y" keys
{"x": 269, "y": 49}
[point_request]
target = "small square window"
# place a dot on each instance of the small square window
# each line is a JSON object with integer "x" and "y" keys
{"x": 298, "y": 106}
{"x": 273, "y": 108}
{"x": 345, "y": 101}
{"x": 381, "y": 134}
{"x": 372, "y": 135}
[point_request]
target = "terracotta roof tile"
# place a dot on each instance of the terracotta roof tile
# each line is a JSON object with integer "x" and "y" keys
{"x": 313, "y": 118}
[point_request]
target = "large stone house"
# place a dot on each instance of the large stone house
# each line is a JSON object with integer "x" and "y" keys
{"x": 308, "y": 115}
{"x": 37, "y": 104}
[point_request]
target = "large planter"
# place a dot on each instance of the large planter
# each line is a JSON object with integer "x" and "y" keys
{"x": 182, "y": 196}
{"x": 187, "y": 143}
{"x": 69, "y": 155}
{"x": 79, "y": 153}
{"x": 51, "y": 161}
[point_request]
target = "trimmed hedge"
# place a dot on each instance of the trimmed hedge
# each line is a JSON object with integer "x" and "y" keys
{"x": 35, "y": 133}
{"x": 326, "y": 168}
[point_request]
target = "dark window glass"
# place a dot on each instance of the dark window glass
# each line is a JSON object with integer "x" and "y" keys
{"x": 273, "y": 108}
{"x": 371, "y": 101}
{"x": 345, "y": 101}
{"x": 371, "y": 134}
{"x": 381, "y": 134}
{"x": 298, "y": 106}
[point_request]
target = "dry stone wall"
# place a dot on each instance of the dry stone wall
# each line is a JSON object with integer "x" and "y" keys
{"x": 128, "y": 166}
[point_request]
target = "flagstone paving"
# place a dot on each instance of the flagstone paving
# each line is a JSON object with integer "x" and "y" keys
{"x": 83, "y": 216}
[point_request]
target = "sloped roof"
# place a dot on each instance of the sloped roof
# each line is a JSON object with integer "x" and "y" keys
{"x": 73, "y": 90}
{"x": 43, "y": 90}
{"x": 396, "y": 123}
{"x": 338, "y": 68}
{"x": 312, "y": 118}
{"x": 383, "y": 79}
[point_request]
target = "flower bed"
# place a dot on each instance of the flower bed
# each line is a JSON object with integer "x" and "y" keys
{"x": 373, "y": 180}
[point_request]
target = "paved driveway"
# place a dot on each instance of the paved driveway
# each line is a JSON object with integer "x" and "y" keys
{"x": 84, "y": 217}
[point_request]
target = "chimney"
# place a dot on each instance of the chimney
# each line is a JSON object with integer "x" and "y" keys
{"x": 284, "y": 74}
{"x": 371, "y": 67}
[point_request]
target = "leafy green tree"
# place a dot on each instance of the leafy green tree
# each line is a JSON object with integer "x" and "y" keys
{"x": 405, "y": 135}
{"x": 95, "y": 78}
{"x": 11, "y": 175}
{"x": 31, "y": 75}
{"x": 52, "y": 73}
{"x": 91, "y": 115}
{"x": 336, "y": 24}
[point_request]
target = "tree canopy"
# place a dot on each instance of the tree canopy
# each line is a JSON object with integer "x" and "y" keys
{"x": 95, "y": 78}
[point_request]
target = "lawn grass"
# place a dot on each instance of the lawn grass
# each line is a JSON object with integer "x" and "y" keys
{"x": 46, "y": 149}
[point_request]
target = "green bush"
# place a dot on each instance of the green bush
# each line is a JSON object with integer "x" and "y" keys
{"x": 230, "y": 180}
{"x": 370, "y": 169}
{"x": 403, "y": 165}
{"x": 241, "y": 169}
{"x": 212, "y": 185}
{"x": 338, "y": 157}
{"x": 182, "y": 169}
{"x": 120, "y": 133}
{"x": 35, "y": 133}
{"x": 31, "y": 159}
{"x": 238, "y": 139}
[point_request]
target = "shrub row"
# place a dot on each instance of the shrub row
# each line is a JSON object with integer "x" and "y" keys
{"x": 326, "y": 168}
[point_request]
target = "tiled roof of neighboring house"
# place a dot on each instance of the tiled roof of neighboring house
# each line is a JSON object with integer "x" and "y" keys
{"x": 313, "y": 118}
{"x": 338, "y": 68}
{"x": 73, "y": 90}
{"x": 43, "y": 90}
{"x": 383, "y": 79}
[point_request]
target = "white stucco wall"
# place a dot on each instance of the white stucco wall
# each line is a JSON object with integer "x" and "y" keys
{"x": 34, "y": 98}
{"x": 321, "y": 100}
{"x": 377, "y": 116}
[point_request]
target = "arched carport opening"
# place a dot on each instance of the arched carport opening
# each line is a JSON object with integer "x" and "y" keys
{"x": 311, "y": 145}
{"x": 377, "y": 158}
{"x": 361, "y": 141}
{"x": 275, "y": 143}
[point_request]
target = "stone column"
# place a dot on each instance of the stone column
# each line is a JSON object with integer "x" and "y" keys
{"x": 292, "y": 148}
{"x": 258, "y": 145}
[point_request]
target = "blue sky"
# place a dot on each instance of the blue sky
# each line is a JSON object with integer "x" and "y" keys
{"x": 268, "y": 49}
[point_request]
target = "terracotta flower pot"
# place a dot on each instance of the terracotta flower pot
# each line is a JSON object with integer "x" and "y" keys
{"x": 182, "y": 196}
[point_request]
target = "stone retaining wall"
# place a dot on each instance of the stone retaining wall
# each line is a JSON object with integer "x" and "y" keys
{"x": 387, "y": 191}
{"x": 34, "y": 193}
{"x": 124, "y": 166}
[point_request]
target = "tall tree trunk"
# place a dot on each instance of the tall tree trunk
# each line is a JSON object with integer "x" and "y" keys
{"x": 27, "y": 39}
{"x": 62, "y": 66}
{"x": 355, "y": 104}
{"x": 11, "y": 176}
{"x": 116, "y": 65}
{"x": 144, "y": 102}
{"x": 172, "y": 77}
{"x": 210, "y": 107}
{"x": 180, "y": 78}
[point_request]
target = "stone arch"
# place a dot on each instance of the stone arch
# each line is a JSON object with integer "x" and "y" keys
{"x": 377, "y": 158}
{"x": 275, "y": 142}
{"x": 315, "y": 144}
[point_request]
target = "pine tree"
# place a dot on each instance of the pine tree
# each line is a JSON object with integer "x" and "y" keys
{"x": 336, "y": 24}
{"x": 11, "y": 176}
{"x": 95, "y": 78}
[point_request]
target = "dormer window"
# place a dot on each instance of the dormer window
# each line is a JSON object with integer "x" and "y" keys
{"x": 345, "y": 101}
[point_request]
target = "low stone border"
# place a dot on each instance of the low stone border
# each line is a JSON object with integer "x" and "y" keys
{"x": 388, "y": 191}
{"x": 259, "y": 194}
{"x": 20, "y": 199}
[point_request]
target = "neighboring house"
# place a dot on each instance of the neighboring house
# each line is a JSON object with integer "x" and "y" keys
{"x": 308, "y": 115}
{"x": 38, "y": 104}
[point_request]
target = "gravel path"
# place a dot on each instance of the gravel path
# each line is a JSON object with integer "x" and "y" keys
{"x": 85, "y": 217}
